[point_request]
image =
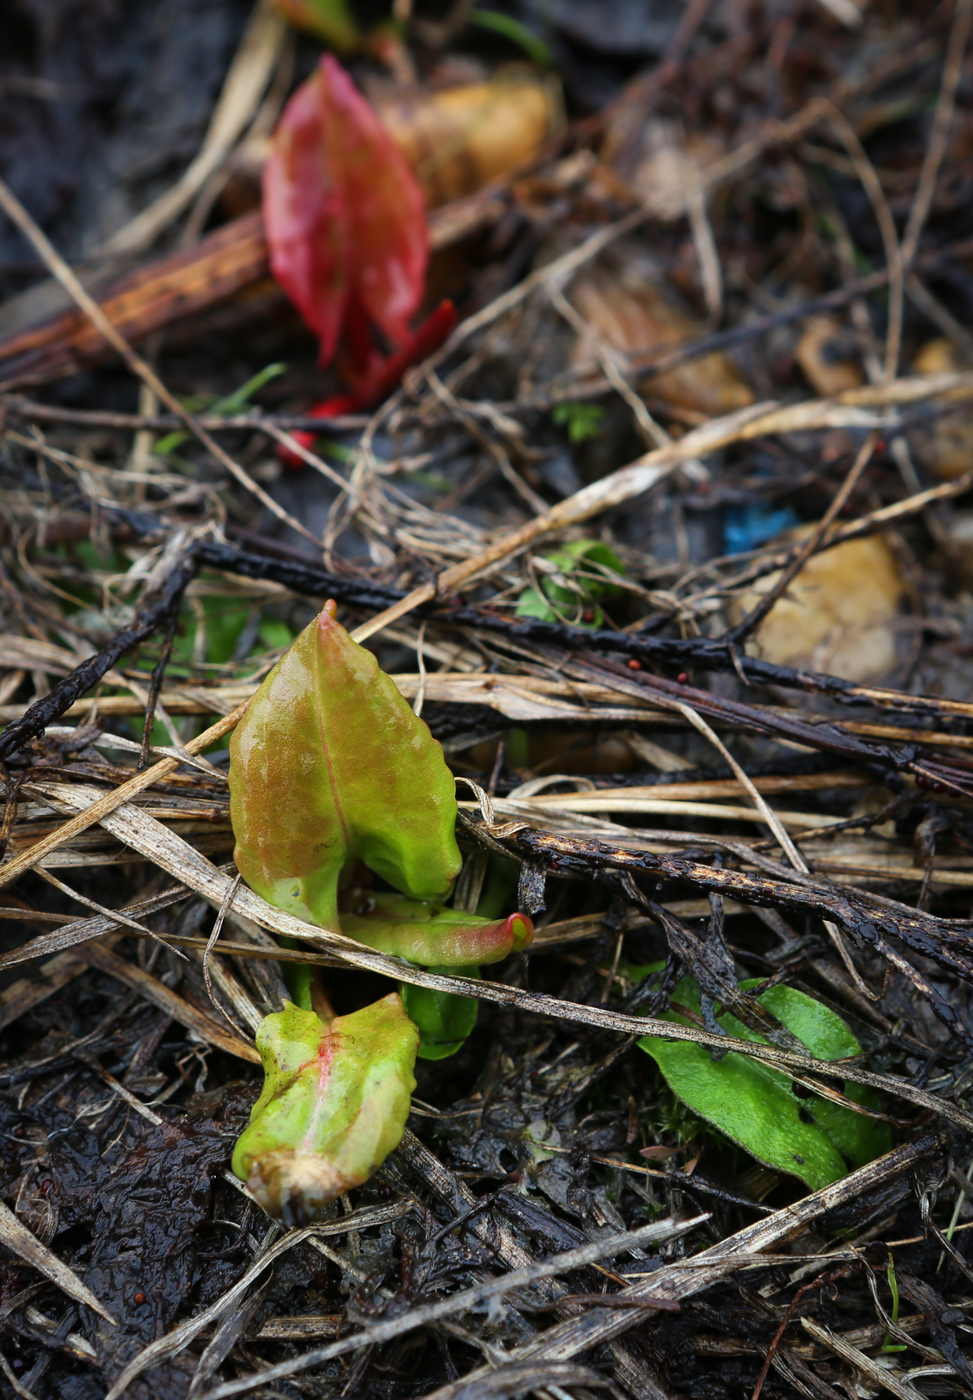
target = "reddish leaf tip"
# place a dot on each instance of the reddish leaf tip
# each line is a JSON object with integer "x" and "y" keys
{"x": 344, "y": 213}
{"x": 521, "y": 930}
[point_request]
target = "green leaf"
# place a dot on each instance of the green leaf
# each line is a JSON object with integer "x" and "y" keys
{"x": 532, "y": 603}
{"x": 577, "y": 552}
{"x": 517, "y": 33}
{"x": 575, "y": 585}
{"x": 224, "y": 620}
{"x": 581, "y": 420}
{"x": 224, "y": 408}
{"x": 274, "y": 634}
{"x": 329, "y": 765}
{"x": 812, "y": 1138}
{"x": 334, "y": 1105}
{"x": 426, "y": 933}
{"x": 240, "y": 398}
{"x": 444, "y": 1019}
{"x": 330, "y": 20}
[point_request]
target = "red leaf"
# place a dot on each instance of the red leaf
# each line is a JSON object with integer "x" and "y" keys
{"x": 306, "y": 217}
{"x": 344, "y": 214}
{"x": 381, "y": 378}
{"x": 383, "y": 374}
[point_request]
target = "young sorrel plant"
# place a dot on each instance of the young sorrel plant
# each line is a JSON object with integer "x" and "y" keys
{"x": 334, "y": 780}
{"x": 782, "y": 1124}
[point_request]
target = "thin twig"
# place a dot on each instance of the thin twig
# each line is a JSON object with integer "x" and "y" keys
{"x": 55, "y": 264}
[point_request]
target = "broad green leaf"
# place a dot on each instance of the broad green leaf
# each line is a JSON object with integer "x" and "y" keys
{"x": 857, "y": 1138}
{"x": 329, "y": 765}
{"x": 224, "y": 620}
{"x": 532, "y": 603}
{"x": 811, "y": 1138}
{"x": 580, "y": 552}
{"x": 443, "y": 1018}
{"x": 334, "y": 1105}
{"x": 426, "y": 933}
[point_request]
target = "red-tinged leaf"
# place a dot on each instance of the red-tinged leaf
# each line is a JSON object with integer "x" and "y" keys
{"x": 383, "y": 374}
{"x": 358, "y": 355}
{"x": 383, "y": 378}
{"x": 334, "y": 1104}
{"x": 386, "y": 208}
{"x": 329, "y": 765}
{"x": 306, "y": 216}
{"x": 344, "y": 214}
{"x": 426, "y": 933}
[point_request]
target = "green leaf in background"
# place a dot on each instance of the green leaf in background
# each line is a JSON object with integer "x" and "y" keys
{"x": 570, "y": 591}
{"x": 426, "y": 933}
{"x": 334, "y": 1104}
{"x": 329, "y": 765}
{"x": 581, "y": 421}
{"x": 812, "y": 1138}
{"x": 223, "y": 408}
{"x": 532, "y": 603}
{"x": 444, "y": 1019}
{"x": 224, "y": 620}
{"x": 274, "y": 634}
{"x": 330, "y": 20}
{"x": 512, "y": 29}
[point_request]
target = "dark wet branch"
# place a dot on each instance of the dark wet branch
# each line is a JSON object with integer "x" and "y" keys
{"x": 865, "y": 920}
{"x": 703, "y": 652}
{"x": 270, "y": 560}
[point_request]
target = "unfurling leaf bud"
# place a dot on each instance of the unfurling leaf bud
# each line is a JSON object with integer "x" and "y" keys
{"x": 428, "y": 934}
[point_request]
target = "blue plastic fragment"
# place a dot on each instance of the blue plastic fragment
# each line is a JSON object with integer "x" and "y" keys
{"x": 747, "y": 527}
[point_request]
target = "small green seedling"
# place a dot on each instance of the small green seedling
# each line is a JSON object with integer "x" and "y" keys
{"x": 226, "y": 407}
{"x": 334, "y": 1104}
{"x": 888, "y": 1345}
{"x": 571, "y": 580}
{"x": 810, "y": 1137}
{"x": 334, "y": 781}
{"x": 580, "y": 421}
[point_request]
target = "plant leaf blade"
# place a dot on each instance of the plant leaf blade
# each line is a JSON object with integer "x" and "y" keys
{"x": 330, "y": 765}
{"x": 334, "y": 1104}
{"x": 344, "y": 214}
{"x": 812, "y": 1138}
{"x": 444, "y": 1019}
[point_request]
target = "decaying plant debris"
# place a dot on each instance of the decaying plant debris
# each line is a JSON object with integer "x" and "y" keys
{"x": 714, "y": 313}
